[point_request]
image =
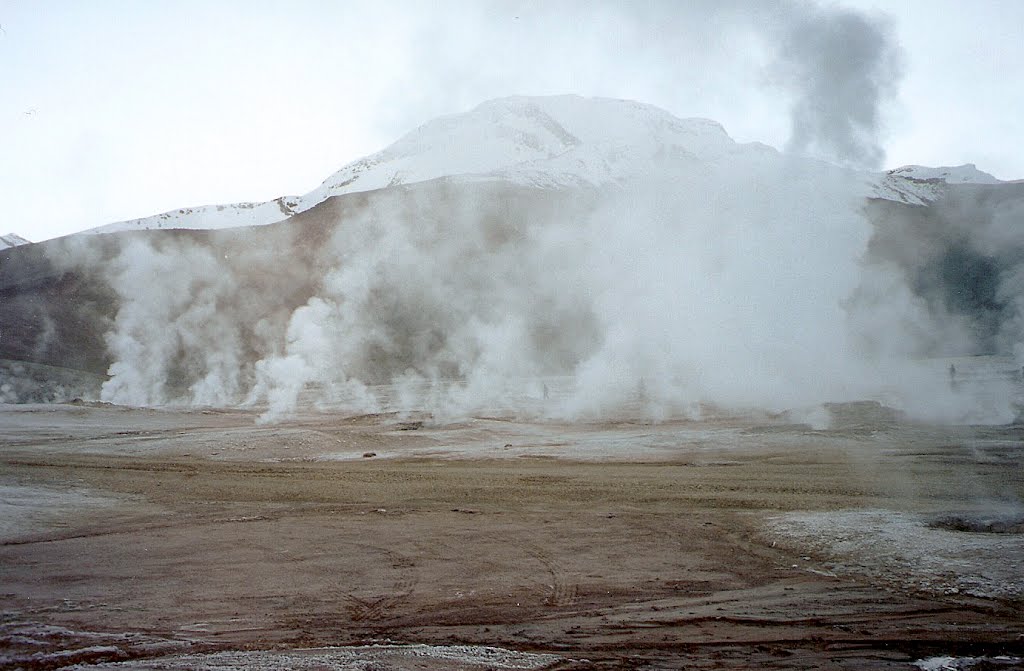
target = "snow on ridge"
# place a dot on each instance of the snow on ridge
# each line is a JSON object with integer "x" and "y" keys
{"x": 920, "y": 185}
{"x": 902, "y": 189}
{"x": 211, "y": 216}
{"x": 967, "y": 173}
{"x": 12, "y": 240}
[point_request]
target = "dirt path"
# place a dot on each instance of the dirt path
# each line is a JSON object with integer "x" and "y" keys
{"x": 626, "y": 564}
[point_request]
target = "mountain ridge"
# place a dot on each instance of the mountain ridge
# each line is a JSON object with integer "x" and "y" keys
{"x": 548, "y": 142}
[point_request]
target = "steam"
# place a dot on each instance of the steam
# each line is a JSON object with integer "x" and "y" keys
{"x": 751, "y": 280}
{"x": 447, "y": 295}
{"x": 738, "y": 283}
{"x": 950, "y": 276}
{"x": 202, "y": 341}
{"x": 460, "y": 306}
{"x": 841, "y": 66}
{"x": 195, "y": 315}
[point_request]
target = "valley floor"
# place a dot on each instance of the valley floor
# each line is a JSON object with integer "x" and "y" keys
{"x": 162, "y": 539}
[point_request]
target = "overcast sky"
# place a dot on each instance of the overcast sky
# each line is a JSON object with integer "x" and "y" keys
{"x": 117, "y": 110}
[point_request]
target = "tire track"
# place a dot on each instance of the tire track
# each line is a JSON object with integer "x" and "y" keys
{"x": 563, "y": 592}
{"x": 371, "y": 608}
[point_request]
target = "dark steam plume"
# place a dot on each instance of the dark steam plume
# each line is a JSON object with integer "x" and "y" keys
{"x": 841, "y": 67}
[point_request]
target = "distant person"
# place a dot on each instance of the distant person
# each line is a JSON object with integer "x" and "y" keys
{"x": 952, "y": 375}
{"x": 545, "y": 390}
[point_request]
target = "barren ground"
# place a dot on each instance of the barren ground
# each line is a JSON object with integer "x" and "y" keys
{"x": 153, "y": 538}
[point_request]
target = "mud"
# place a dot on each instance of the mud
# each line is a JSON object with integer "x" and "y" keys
{"x": 198, "y": 539}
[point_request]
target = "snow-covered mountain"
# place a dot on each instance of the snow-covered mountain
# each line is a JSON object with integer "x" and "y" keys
{"x": 12, "y": 240}
{"x": 550, "y": 142}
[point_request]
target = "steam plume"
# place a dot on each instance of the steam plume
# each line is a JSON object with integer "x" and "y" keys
{"x": 737, "y": 283}
{"x": 841, "y": 66}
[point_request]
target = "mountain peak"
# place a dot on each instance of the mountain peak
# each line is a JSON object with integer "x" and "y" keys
{"x": 596, "y": 119}
{"x": 578, "y": 140}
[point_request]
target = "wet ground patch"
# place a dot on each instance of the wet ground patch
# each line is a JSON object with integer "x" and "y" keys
{"x": 980, "y": 524}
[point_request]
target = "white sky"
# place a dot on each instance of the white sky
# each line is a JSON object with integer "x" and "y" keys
{"x": 113, "y": 110}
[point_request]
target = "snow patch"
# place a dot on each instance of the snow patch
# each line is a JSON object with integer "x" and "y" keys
{"x": 12, "y": 240}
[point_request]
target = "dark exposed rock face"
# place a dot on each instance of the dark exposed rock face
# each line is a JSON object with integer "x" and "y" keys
{"x": 962, "y": 257}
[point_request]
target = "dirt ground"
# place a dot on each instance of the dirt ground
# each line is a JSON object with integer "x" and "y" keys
{"x": 134, "y": 538}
